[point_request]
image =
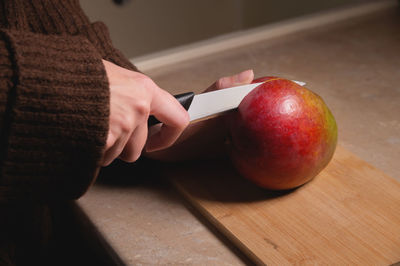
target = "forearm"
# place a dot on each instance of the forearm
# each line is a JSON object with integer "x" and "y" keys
{"x": 54, "y": 103}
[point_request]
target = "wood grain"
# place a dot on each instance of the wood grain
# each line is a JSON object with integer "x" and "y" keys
{"x": 349, "y": 214}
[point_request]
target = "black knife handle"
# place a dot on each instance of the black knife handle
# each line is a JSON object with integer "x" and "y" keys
{"x": 185, "y": 99}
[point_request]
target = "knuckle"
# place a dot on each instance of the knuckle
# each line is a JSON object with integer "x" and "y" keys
{"x": 220, "y": 83}
{"x": 126, "y": 123}
{"x": 142, "y": 108}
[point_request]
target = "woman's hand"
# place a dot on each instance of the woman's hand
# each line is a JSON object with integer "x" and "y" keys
{"x": 133, "y": 97}
{"x": 204, "y": 139}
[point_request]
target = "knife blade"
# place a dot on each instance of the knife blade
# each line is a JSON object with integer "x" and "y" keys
{"x": 200, "y": 106}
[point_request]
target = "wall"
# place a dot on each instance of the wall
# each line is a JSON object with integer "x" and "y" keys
{"x": 143, "y": 26}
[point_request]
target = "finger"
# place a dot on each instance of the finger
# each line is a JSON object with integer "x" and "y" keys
{"x": 242, "y": 78}
{"x": 118, "y": 136}
{"x": 111, "y": 140}
{"x": 113, "y": 151}
{"x": 116, "y": 140}
{"x": 134, "y": 146}
{"x": 173, "y": 116}
{"x": 163, "y": 139}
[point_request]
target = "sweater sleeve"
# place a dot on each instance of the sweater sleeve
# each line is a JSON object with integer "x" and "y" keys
{"x": 53, "y": 114}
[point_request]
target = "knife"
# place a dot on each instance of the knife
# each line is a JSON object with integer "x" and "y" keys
{"x": 200, "y": 106}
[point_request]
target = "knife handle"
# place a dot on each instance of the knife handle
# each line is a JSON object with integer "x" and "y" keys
{"x": 185, "y": 99}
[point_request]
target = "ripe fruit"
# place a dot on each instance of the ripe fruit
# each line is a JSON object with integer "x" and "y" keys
{"x": 282, "y": 135}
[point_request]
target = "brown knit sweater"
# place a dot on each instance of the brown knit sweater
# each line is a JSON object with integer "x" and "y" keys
{"x": 53, "y": 98}
{"x": 54, "y": 101}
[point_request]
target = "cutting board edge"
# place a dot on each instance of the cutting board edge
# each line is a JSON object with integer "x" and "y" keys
{"x": 217, "y": 224}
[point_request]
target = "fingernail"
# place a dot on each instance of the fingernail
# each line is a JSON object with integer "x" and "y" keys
{"x": 245, "y": 76}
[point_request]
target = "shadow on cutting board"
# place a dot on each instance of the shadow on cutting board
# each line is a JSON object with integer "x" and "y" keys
{"x": 217, "y": 180}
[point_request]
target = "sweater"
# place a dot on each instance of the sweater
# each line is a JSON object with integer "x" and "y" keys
{"x": 54, "y": 98}
{"x": 54, "y": 111}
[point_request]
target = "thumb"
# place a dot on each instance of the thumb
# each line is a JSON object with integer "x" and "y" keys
{"x": 242, "y": 78}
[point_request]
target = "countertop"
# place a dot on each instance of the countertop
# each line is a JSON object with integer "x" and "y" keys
{"x": 354, "y": 65}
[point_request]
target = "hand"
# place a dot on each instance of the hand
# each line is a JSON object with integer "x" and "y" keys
{"x": 243, "y": 78}
{"x": 133, "y": 97}
{"x": 204, "y": 139}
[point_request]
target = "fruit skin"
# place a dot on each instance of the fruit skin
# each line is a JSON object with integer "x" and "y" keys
{"x": 282, "y": 135}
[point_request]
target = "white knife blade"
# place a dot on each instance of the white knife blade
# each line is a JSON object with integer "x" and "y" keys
{"x": 219, "y": 101}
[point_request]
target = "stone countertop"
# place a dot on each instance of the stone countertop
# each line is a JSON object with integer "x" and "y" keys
{"x": 354, "y": 65}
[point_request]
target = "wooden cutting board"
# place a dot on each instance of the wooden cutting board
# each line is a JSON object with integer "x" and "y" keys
{"x": 349, "y": 214}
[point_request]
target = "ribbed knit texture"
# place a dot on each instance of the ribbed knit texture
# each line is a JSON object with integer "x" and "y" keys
{"x": 57, "y": 115}
{"x": 54, "y": 108}
{"x": 54, "y": 98}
